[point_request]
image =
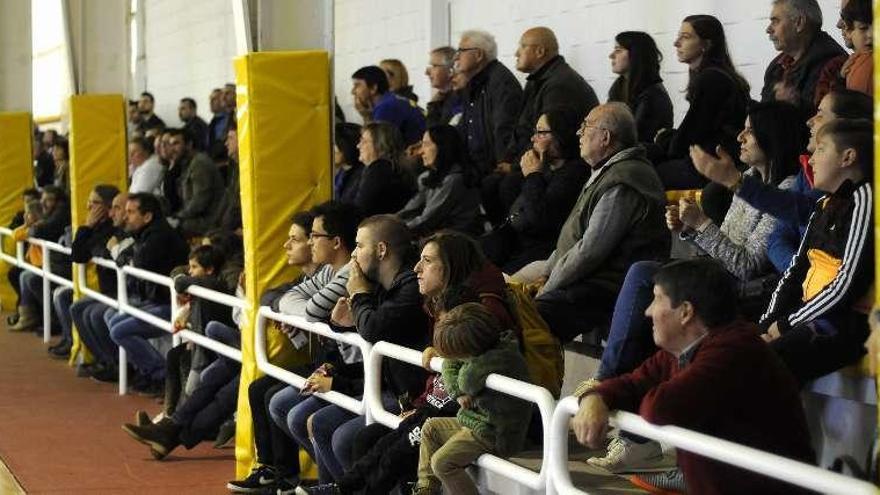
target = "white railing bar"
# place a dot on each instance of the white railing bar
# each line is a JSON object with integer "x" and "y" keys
{"x": 52, "y": 246}
{"x": 218, "y": 297}
{"x": 5, "y": 231}
{"x": 265, "y": 313}
{"x": 209, "y": 343}
{"x": 147, "y": 317}
{"x": 765, "y": 463}
{"x": 148, "y": 276}
{"x": 515, "y": 388}
{"x": 88, "y": 291}
{"x": 105, "y": 263}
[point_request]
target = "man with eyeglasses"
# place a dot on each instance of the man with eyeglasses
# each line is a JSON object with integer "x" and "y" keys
{"x": 617, "y": 220}
{"x": 446, "y": 102}
{"x": 492, "y": 101}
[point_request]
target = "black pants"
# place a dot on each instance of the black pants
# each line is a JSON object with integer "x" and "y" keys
{"x": 498, "y": 192}
{"x": 274, "y": 447}
{"x": 392, "y": 458}
{"x": 212, "y": 402}
{"x": 13, "y": 275}
{"x": 819, "y": 347}
{"x": 575, "y": 310}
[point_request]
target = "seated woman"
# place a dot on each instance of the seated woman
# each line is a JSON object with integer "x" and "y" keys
{"x": 773, "y": 136}
{"x": 554, "y": 175}
{"x": 347, "y": 167}
{"x": 718, "y": 96}
{"x": 636, "y": 61}
{"x": 384, "y": 188}
{"x": 447, "y": 197}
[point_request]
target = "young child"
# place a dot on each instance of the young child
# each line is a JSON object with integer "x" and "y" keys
{"x": 817, "y": 318}
{"x": 858, "y": 70}
{"x": 470, "y": 339}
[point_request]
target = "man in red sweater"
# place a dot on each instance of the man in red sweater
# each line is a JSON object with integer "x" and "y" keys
{"x": 713, "y": 375}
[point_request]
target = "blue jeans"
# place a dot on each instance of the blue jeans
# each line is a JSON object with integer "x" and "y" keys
{"x": 132, "y": 335}
{"x": 290, "y": 410}
{"x": 211, "y": 403}
{"x": 630, "y": 338}
{"x": 88, "y": 315}
{"x": 223, "y": 334}
{"x": 62, "y": 298}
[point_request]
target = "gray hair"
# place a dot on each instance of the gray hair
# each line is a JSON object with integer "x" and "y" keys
{"x": 618, "y": 119}
{"x": 447, "y": 52}
{"x": 807, "y": 8}
{"x": 482, "y": 40}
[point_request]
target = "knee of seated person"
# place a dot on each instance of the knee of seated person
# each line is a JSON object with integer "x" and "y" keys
{"x": 310, "y": 426}
{"x": 442, "y": 465}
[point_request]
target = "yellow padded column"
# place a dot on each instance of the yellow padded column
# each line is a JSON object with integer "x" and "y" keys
{"x": 284, "y": 110}
{"x": 16, "y": 169}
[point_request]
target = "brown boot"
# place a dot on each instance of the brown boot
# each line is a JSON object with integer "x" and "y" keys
{"x": 27, "y": 319}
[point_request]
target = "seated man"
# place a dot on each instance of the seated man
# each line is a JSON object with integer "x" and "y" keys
{"x": 157, "y": 248}
{"x": 817, "y": 318}
{"x": 196, "y": 181}
{"x": 617, "y": 220}
{"x": 698, "y": 381}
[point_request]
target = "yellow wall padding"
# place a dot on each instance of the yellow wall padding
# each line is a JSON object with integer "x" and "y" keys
{"x": 284, "y": 153}
{"x": 16, "y": 170}
{"x": 98, "y": 155}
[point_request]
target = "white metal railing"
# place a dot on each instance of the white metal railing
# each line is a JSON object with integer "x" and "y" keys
{"x": 515, "y": 388}
{"x": 554, "y": 475}
{"x": 765, "y": 463}
{"x": 357, "y": 406}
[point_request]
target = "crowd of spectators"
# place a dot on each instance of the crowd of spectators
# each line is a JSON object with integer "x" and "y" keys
{"x": 540, "y": 191}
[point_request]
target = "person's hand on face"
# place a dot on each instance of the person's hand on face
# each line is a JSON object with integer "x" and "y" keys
{"x": 530, "y": 163}
{"x": 357, "y": 281}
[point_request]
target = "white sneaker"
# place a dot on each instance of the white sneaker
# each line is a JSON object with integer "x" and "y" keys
{"x": 627, "y": 456}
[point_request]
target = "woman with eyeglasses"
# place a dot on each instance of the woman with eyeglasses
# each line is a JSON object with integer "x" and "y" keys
{"x": 636, "y": 61}
{"x": 718, "y": 96}
{"x": 554, "y": 174}
{"x": 384, "y": 187}
{"x": 447, "y": 197}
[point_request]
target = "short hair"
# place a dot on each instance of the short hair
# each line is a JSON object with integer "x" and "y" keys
{"x": 208, "y": 256}
{"x": 482, "y": 40}
{"x": 54, "y": 191}
{"x": 106, "y": 192}
{"x": 148, "y": 95}
{"x": 143, "y": 143}
{"x": 34, "y": 207}
{"x": 374, "y": 77}
{"x": 340, "y": 220}
{"x": 225, "y": 241}
{"x": 447, "y": 52}
{"x": 807, "y": 8}
{"x": 465, "y": 331}
{"x": 851, "y": 104}
{"x": 703, "y": 282}
{"x": 190, "y": 101}
{"x": 304, "y": 220}
{"x": 393, "y": 232}
{"x": 64, "y": 146}
{"x": 387, "y": 140}
{"x": 31, "y": 192}
{"x": 857, "y": 11}
{"x": 147, "y": 203}
{"x": 619, "y": 120}
{"x": 856, "y": 134}
{"x": 176, "y": 131}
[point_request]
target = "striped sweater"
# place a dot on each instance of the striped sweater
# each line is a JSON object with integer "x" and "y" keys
{"x": 315, "y": 297}
{"x": 832, "y": 272}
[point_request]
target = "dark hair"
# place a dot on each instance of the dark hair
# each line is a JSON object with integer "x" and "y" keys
{"x": 226, "y": 241}
{"x": 564, "y": 124}
{"x": 851, "y": 104}
{"x": 54, "y": 190}
{"x": 704, "y": 283}
{"x": 106, "y": 192}
{"x": 64, "y": 146}
{"x": 374, "y": 77}
{"x": 340, "y": 220}
{"x": 189, "y": 100}
{"x": 147, "y": 203}
{"x": 460, "y": 255}
{"x": 304, "y": 220}
{"x": 644, "y": 66}
{"x": 148, "y": 95}
{"x": 709, "y": 28}
{"x": 857, "y": 11}
{"x": 393, "y": 232}
{"x": 465, "y": 331}
{"x": 856, "y": 134}
{"x": 176, "y": 131}
{"x": 144, "y": 144}
{"x": 782, "y": 135}
{"x": 31, "y": 193}
{"x": 209, "y": 257}
{"x": 346, "y": 138}
{"x": 450, "y": 152}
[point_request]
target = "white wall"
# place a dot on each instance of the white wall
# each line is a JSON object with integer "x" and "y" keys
{"x": 189, "y": 50}
{"x": 369, "y": 30}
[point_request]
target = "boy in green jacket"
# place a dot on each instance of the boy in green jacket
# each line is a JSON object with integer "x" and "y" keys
{"x": 471, "y": 341}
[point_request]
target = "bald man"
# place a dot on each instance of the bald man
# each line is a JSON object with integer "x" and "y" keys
{"x": 551, "y": 85}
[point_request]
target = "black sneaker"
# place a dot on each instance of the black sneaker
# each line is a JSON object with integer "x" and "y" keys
{"x": 106, "y": 374}
{"x": 288, "y": 486}
{"x": 261, "y": 480}
{"x": 324, "y": 489}
{"x": 225, "y": 435}
{"x": 61, "y": 351}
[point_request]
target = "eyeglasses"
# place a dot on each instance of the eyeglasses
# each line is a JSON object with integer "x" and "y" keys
{"x": 584, "y": 126}
{"x": 459, "y": 51}
{"x": 542, "y": 132}
{"x": 316, "y": 235}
